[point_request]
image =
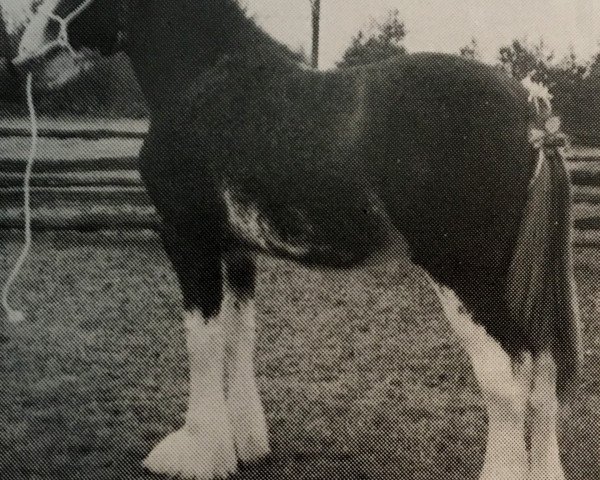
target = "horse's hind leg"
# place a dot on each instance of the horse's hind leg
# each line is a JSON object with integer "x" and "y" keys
{"x": 545, "y": 457}
{"x": 505, "y": 385}
{"x": 243, "y": 399}
{"x": 203, "y": 448}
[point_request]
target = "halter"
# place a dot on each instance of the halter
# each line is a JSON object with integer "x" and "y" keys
{"x": 62, "y": 39}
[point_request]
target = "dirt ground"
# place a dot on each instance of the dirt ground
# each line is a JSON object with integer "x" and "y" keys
{"x": 360, "y": 374}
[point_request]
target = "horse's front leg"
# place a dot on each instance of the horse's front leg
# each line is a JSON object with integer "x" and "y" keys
{"x": 243, "y": 398}
{"x": 203, "y": 448}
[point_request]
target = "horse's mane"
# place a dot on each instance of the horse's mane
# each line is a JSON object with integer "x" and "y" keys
{"x": 246, "y": 29}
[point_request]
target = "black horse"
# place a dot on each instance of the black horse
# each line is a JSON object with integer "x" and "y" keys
{"x": 248, "y": 151}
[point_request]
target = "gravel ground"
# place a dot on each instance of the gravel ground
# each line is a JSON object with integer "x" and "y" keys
{"x": 360, "y": 373}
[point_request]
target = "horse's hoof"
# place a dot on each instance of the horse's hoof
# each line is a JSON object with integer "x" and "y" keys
{"x": 503, "y": 476}
{"x": 251, "y": 439}
{"x": 500, "y": 471}
{"x": 556, "y": 474}
{"x": 260, "y": 463}
{"x": 249, "y": 428}
{"x": 252, "y": 449}
{"x": 193, "y": 456}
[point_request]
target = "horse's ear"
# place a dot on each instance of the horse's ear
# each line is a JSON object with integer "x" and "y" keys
{"x": 97, "y": 27}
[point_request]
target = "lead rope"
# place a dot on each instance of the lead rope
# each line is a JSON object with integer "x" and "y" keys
{"x": 16, "y": 316}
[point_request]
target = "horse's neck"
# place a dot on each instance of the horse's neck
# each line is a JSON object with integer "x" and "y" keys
{"x": 159, "y": 49}
{"x": 171, "y": 45}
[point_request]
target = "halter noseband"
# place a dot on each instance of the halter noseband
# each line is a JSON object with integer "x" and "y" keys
{"x": 62, "y": 39}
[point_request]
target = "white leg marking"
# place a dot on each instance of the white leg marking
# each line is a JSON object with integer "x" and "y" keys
{"x": 243, "y": 399}
{"x": 545, "y": 457}
{"x": 504, "y": 384}
{"x": 203, "y": 449}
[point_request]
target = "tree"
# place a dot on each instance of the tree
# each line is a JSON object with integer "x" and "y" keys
{"x": 381, "y": 41}
{"x": 521, "y": 58}
{"x": 471, "y": 50}
{"x": 566, "y": 83}
{"x": 585, "y": 108}
{"x": 594, "y": 68}
{"x": 565, "y": 78}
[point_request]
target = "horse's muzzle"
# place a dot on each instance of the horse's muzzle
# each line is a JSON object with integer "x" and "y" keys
{"x": 25, "y": 61}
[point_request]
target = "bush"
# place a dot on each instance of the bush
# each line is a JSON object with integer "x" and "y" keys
{"x": 383, "y": 41}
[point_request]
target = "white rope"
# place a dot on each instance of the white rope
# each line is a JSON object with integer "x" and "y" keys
{"x": 16, "y": 316}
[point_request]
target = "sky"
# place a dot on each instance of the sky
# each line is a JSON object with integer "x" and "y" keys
{"x": 433, "y": 25}
{"x": 439, "y": 25}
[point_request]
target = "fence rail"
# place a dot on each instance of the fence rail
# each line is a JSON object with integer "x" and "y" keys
{"x": 92, "y": 129}
{"x": 89, "y": 180}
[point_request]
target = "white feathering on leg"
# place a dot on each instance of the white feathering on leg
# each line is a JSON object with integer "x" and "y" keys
{"x": 203, "y": 448}
{"x": 505, "y": 385}
{"x": 243, "y": 398}
{"x": 545, "y": 456}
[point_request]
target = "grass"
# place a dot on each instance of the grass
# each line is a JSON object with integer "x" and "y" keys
{"x": 360, "y": 374}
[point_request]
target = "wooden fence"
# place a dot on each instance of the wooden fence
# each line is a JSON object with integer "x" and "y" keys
{"x": 86, "y": 179}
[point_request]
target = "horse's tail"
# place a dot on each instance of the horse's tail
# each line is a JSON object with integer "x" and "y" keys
{"x": 541, "y": 288}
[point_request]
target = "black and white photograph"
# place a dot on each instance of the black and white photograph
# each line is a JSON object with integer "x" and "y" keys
{"x": 300, "y": 239}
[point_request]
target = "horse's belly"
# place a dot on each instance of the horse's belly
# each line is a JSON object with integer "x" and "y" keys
{"x": 249, "y": 224}
{"x": 308, "y": 234}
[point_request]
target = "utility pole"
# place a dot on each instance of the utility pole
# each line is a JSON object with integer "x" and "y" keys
{"x": 316, "y": 27}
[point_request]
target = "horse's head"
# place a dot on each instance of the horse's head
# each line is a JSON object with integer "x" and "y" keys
{"x": 63, "y": 38}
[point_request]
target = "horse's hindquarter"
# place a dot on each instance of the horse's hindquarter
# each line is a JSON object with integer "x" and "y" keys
{"x": 456, "y": 173}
